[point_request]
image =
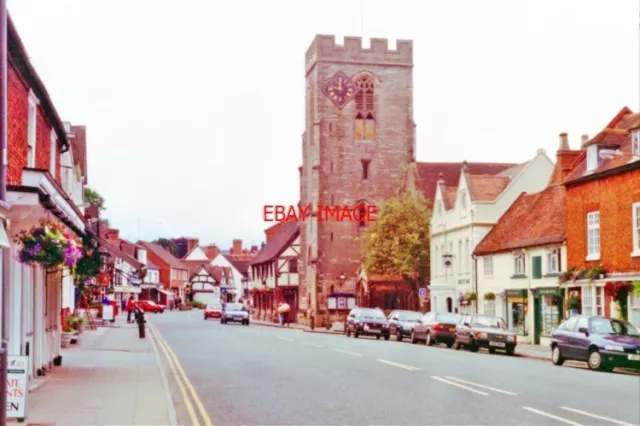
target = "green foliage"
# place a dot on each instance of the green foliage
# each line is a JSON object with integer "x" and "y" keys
{"x": 43, "y": 244}
{"x": 90, "y": 263}
{"x": 168, "y": 244}
{"x": 490, "y": 296}
{"x": 397, "y": 243}
{"x": 94, "y": 198}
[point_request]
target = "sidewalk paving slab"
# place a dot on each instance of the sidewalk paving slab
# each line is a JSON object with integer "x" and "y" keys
{"x": 111, "y": 377}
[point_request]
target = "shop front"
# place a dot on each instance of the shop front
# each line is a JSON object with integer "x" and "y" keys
{"x": 548, "y": 313}
{"x": 517, "y": 311}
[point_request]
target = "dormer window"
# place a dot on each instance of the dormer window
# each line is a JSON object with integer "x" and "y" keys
{"x": 592, "y": 158}
{"x": 635, "y": 143}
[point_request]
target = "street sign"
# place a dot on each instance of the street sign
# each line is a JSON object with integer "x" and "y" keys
{"x": 17, "y": 386}
{"x": 422, "y": 292}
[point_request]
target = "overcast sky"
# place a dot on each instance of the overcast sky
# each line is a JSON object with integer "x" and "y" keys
{"x": 195, "y": 109}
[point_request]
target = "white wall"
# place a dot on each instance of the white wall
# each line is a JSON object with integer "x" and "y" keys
{"x": 197, "y": 254}
{"x": 222, "y": 261}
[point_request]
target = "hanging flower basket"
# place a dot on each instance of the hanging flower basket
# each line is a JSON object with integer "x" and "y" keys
{"x": 48, "y": 245}
{"x": 489, "y": 296}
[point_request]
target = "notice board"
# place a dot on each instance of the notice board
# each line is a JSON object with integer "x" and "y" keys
{"x": 17, "y": 386}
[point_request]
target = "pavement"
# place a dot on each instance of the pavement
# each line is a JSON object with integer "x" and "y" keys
{"x": 275, "y": 376}
{"x": 111, "y": 377}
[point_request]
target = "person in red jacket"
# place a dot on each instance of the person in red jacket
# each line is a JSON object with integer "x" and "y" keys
{"x": 131, "y": 306}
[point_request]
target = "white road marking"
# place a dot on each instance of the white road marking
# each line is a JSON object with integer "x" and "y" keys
{"x": 312, "y": 344}
{"x": 551, "y": 416}
{"x": 347, "y": 352}
{"x": 460, "y": 386}
{"x": 595, "y": 416}
{"x": 284, "y": 338}
{"x": 482, "y": 386}
{"x": 397, "y": 364}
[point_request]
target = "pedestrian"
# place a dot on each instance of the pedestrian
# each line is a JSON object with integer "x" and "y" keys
{"x": 131, "y": 305}
{"x": 123, "y": 303}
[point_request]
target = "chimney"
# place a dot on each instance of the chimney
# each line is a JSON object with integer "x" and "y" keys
{"x": 192, "y": 243}
{"x": 254, "y": 249}
{"x": 237, "y": 247}
{"x": 212, "y": 251}
{"x": 584, "y": 140}
{"x": 564, "y": 142}
{"x": 113, "y": 234}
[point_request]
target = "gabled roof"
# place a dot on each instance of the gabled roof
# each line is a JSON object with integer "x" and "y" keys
{"x": 116, "y": 252}
{"x": 532, "y": 220}
{"x": 151, "y": 265}
{"x": 164, "y": 254}
{"x": 429, "y": 173}
{"x": 215, "y": 272}
{"x": 240, "y": 262}
{"x": 616, "y": 135}
{"x": 194, "y": 249}
{"x": 285, "y": 236}
{"x": 487, "y": 188}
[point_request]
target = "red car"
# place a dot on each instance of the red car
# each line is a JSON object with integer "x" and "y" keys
{"x": 149, "y": 306}
{"x": 213, "y": 311}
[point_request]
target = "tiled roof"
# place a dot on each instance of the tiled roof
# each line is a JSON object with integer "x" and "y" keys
{"x": 615, "y": 135}
{"x": 163, "y": 254}
{"x": 151, "y": 265}
{"x": 532, "y": 220}
{"x": 193, "y": 265}
{"x": 428, "y": 174}
{"x": 216, "y": 272}
{"x": 240, "y": 262}
{"x": 278, "y": 243}
{"x": 487, "y": 188}
{"x": 115, "y": 251}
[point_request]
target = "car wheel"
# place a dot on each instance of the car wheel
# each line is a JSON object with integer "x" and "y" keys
{"x": 595, "y": 361}
{"x": 378, "y": 337}
{"x": 428, "y": 341}
{"x": 413, "y": 338}
{"x": 399, "y": 336}
{"x": 355, "y": 334}
{"x": 387, "y": 336}
{"x": 511, "y": 351}
{"x": 449, "y": 345}
{"x": 492, "y": 351}
{"x": 456, "y": 344}
{"x": 556, "y": 356}
{"x": 473, "y": 346}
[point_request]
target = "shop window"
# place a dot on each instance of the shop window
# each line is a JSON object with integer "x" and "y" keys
{"x": 634, "y": 309}
{"x": 518, "y": 316}
{"x": 550, "y": 312}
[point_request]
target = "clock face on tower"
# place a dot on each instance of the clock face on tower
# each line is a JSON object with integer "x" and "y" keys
{"x": 340, "y": 89}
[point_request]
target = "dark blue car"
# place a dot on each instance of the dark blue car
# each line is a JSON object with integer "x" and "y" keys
{"x": 603, "y": 343}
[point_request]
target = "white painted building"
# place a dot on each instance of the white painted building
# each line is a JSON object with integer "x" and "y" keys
{"x": 212, "y": 284}
{"x": 239, "y": 267}
{"x": 462, "y": 215}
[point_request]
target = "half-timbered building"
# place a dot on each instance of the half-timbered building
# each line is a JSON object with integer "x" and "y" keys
{"x": 274, "y": 273}
{"x": 211, "y": 284}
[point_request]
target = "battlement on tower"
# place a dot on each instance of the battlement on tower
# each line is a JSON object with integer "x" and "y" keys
{"x": 325, "y": 48}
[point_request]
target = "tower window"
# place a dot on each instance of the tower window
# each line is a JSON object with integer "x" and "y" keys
{"x": 365, "y": 110}
{"x": 331, "y": 200}
{"x": 361, "y": 214}
{"x": 331, "y": 236}
{"x": 365, "y": 169}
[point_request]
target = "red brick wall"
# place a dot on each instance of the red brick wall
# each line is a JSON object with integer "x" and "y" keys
{"x": 17, "y": 117}
{"x": 613, "y": 197}
{"x": 165, "y": 270}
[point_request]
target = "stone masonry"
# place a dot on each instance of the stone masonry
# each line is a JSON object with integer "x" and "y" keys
{"x": 332, "y": 172}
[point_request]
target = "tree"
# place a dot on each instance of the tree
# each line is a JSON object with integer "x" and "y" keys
{"x": 397, "y": 243}
{"x": 92, "y": 197}
{"x": 168, "y": 244}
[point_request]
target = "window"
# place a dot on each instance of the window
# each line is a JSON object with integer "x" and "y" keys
{"x": 488, "y": 266}
{"x": 293, "y": 265}
{"x": 592, "y": 158}
{"x": 593, "y": 235}
{"x": 361, "y": 214}
{"x": 587, "y": 302}
{"x": 174, "y": 274}
{"x": 536, "y": 267}
{"x": 365, "y": 169}
{"x": 31, "y": 134}
{"x": 332, "y": 201}
{"x": 490, "y": 307}
{"x": 467, "y": 255}
{"x": 636, "y": 227}
{"x": 459, "y": 256}
{"x": 636, "y": 143}
{"x": 553, "y": 261}
{"x": 365, "y": 111}
{"x": 599, "y": 301}
{"x": 53, "y": 154}
{"x": 550, "y": 313}
{"x": 518, "y": 264}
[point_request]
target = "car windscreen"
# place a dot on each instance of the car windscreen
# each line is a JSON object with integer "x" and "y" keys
{"x": 491, "y": 322}
{"x": 371, "y": 314}
{"x": 410, "y": 316}
{"x": 234, "y": 307}
{"x": 448, "y": 318}
{"x": 608, "y": 326}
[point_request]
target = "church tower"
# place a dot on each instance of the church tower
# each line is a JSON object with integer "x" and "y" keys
{"x": 359, "y": 134}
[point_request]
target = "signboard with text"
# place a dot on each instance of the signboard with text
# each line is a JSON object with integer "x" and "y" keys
{"x": 422, "y": 292}
{"x": 17, "y": 386}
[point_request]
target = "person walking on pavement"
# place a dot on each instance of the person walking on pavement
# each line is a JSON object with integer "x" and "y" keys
{"x": 123, "y": 303}
{"x": 283, "y": 311}
{"x": 131, "y": 305}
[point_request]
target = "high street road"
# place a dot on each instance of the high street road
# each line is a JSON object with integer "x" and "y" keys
{"x": 264, "y": 375}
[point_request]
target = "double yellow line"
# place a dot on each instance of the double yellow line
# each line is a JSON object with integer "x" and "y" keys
{"x": 182, "y": 380}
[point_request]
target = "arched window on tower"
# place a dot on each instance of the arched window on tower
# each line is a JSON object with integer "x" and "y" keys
{"x": 365, "y": 110}
{"x": 361, "y": 214}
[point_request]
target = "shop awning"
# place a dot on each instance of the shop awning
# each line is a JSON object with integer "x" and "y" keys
{"x": 127, "y": 289}
{"x": 165, "y": 292}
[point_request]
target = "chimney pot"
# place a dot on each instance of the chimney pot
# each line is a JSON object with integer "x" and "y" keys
{"x": 584, "y": 139}
{"x": 564, "y": 142}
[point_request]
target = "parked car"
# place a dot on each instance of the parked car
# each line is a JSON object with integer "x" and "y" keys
{"x": 367, "y": 322}
{"x": 483, "y": 331}
{"x": 213, "y": 310}
{"x": 401, "y": 323}
{"x": 603, "y": 343}
{"x": 436, "y": 327}
{"x": 234, "y": 312}
{"x": 150, "y": 306}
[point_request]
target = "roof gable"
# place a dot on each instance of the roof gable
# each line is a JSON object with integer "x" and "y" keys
{"x": 285, "y": 236}
{"x": 196, "y": 253}
{"x": 165, "y": 255}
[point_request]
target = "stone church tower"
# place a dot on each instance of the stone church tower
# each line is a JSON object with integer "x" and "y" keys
{"x": 359, "y": 134}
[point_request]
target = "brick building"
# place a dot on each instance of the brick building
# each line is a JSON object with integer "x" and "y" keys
{"x": 603, "y": 216}
{"x": 359, "y": 134}
{"x": 174, "y": 275}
